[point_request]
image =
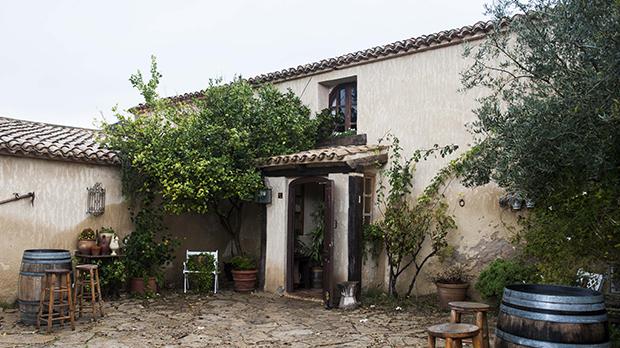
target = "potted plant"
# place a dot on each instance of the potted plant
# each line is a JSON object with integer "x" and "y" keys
{"x": 315, "y": 248}
{"x": 86, "y": 240}
{"x": 244, "y": 273}
{"x": 147, "y": 249}
{"x": 105, "y": 237}
{"x": 452, "y": 283}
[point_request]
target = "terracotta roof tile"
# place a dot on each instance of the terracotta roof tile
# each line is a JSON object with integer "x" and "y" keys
{"x": 394, "y": 49}
{"x": 351, "y": 155}
{"x": 36, "y": 139}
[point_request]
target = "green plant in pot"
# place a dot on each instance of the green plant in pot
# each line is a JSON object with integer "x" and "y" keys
{"x": 86, "y": 240}
{"x": 314, "y": 249}
{"x": 244, "y": 273}
{"x": 452, "y": 283}
{"x": 147, "y": 249}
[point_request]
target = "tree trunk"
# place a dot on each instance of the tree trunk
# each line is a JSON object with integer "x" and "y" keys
{"x": 231, "y": 222}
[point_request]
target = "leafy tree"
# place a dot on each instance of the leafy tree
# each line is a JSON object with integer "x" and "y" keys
{"x": 408, "y": 224}
{"x": 201, "y": 156}
{"x": 549, "y": 127}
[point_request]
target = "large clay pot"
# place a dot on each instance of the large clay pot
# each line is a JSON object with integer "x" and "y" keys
{"x": 84, "y": 246}
{"x": 451, "y": 292}
{"x": 244, "y": 281}
{"x": 137, "y": 286}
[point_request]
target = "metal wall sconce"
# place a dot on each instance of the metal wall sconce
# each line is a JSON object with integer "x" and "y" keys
{"x": 96, "y": 200}
{"x": 263, "y": 196}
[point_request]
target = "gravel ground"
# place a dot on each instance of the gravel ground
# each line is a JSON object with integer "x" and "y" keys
{"x": 230, "y": 320}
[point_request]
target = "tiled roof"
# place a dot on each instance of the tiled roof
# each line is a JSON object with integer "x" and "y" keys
{"x": 391, "y": 50}
{"x": 36, "y": 139}
{"x": 351, "y": 156}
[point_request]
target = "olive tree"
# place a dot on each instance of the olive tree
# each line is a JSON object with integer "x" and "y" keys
{"x": 548, "y": 127}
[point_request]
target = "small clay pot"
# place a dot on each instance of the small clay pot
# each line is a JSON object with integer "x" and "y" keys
{"x": 95, "y": 250}
{"x": 84, "y": 246}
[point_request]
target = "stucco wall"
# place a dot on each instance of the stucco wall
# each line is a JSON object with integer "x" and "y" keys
{"x": 416, "y": 98}
{"x": 58, "y": 213}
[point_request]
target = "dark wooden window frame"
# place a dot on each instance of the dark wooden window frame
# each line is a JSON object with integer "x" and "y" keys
{"x": 348, "y": 102}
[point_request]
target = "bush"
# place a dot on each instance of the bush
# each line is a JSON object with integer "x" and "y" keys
{"x": 204, "y": 265}
{"x": 455, "y": 274}
{"x": 243, "y": 263}
{"x": 499, "y": 273}
{"x": 87, "y": 234}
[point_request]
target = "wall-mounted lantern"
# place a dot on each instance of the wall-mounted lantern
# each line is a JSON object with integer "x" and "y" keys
{"x": 96, "y": 200}
{"x": 263, "y": 196}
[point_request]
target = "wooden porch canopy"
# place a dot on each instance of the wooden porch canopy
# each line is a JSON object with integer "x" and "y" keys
{"x": 336, "y": 159}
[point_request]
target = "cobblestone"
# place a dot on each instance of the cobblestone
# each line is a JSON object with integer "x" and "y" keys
{"x": 228, "y": 320}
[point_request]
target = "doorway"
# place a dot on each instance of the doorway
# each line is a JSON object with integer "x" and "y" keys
{"x": 310, "y": 238}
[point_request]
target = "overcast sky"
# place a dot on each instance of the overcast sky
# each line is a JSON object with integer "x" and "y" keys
{"x": 68, "y": 62}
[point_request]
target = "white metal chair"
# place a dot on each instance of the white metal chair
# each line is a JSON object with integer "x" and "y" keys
{"x": 186, "y": 271}
{"x": 588, "y": 280}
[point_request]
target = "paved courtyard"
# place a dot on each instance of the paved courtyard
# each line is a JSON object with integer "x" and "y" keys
{"x": 230, "y": 320}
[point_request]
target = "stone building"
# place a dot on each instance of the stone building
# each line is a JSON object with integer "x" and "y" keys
{"x": 408, "y": 88}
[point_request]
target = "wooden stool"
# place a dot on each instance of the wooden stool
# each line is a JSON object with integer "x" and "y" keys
{"x": 453, "y": 334}
{"x": 88, "y": 276}
{"x": 51, "y": 287}
{"x": 479, "y": 310}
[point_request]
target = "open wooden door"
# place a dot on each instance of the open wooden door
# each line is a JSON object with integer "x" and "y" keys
{"x": 329, "y": 284}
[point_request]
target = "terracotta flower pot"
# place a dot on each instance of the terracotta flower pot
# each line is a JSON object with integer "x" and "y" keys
{"x": 451, "y": 292}
{"x": 95, "y": 250}
{"x": 84, "y": 246}
{"x": 137, "y": 285}
{"x": 244, "y": 281}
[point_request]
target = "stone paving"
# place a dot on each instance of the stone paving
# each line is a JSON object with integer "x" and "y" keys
{"x": 229, "y": 320}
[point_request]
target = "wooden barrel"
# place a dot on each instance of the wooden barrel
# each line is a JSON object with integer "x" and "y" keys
{"x": 551, "y": 316}
{"x": 34, "y": 264}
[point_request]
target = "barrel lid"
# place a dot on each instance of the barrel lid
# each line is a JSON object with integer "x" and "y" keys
{"x": 46, "y": 253}
{"x": 553, "y": 293}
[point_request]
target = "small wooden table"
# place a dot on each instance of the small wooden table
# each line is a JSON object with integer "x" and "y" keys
{"x": 453, "y": 333}
{"x": 479, "y": 310}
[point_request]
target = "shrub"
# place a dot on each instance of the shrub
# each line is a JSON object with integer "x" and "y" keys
{"x": 455, "y": 274}
{"x": 204, "y": 265}
{"x": 87, "y": 234}
{"x": 243, "y": 263}
{"x": 499, "y": 273}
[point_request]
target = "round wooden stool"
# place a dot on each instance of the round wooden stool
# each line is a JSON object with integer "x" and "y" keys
{"x": 87, "y": 276}
{"x": 56, "y": 298}
{"x": 479, "y": 310}
{"x": 453, "y": 334}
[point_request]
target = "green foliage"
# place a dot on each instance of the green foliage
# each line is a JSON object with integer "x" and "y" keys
{"x": 315, "y": 249}
{"x": 87, "y": 234}
{"x": 407, "y": 224}
{"x": 113, "y": 274}
{"x": 243, "y": 263}
{"x": 500, "y": 273}
{"x": 201, "y": 156}
{"x": 453, "y": 274}
{"x": 548, "y": 128}
{"x": 372, "y": 239}
{"x": 148, "y": 247}
{"x": 107, "y": 230}
{"x": 204, "y": 265}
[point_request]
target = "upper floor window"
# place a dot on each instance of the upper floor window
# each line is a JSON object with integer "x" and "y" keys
{"x": 343, "y": 103}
